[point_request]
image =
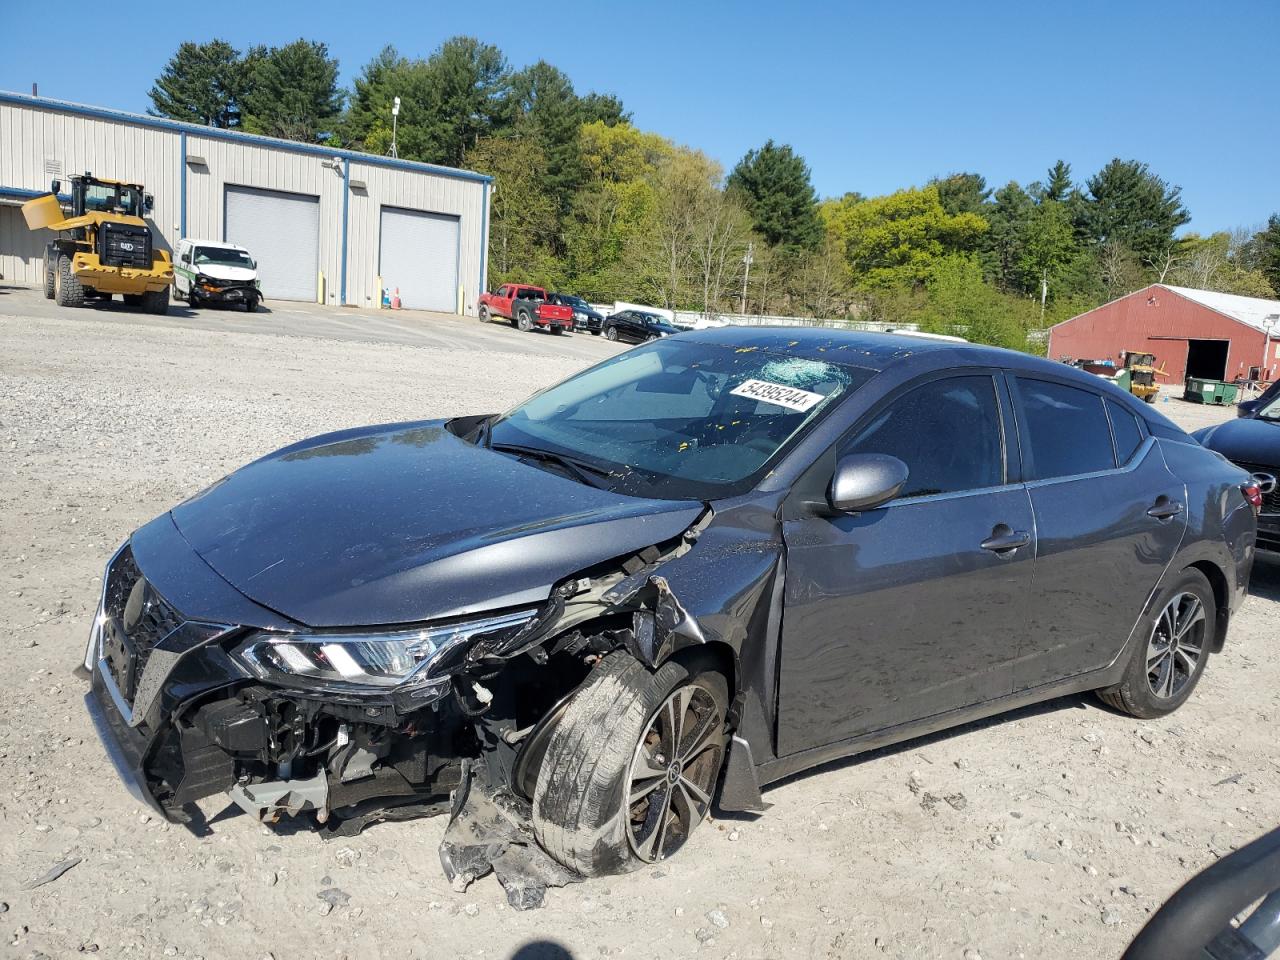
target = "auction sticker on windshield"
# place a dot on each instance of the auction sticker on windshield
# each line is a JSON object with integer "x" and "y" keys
{"x": 777, "y": 394}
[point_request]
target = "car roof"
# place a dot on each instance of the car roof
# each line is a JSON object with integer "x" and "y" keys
{"x": 220, "y": 244}
{"x": 881, "y": 351}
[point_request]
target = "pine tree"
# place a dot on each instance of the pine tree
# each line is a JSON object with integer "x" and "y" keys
{"x": 293, "y": 92}
{"x": 202, "y": 83}
{"x": 1058, "y": 184}
{"x": 1130, "y": 206}
{"x": 775, "y": 189}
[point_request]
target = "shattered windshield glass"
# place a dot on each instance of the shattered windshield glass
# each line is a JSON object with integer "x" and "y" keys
{"x": 680, "y": 419}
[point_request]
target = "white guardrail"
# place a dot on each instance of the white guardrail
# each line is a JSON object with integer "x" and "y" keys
{"x": 692, "y": 318}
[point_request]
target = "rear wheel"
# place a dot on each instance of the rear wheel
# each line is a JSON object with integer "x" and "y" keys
{"x": 524, "y": 321}
{"x": 67, "y": 291}
{"x": 631, "y": 766}
{"x": 1167, "y": 664}
{"x": 611, "y": 333}
{"x": 133, "y": 299}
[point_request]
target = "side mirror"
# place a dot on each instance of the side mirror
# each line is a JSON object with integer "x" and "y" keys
{"x": 863, "y": 481}
{"x": 1245, "y": 408}
{"x": 56, "y": 187}
{"x": 148, "y": 201}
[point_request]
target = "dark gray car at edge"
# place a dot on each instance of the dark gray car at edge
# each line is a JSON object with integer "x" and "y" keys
{"x": 690, "y": 571}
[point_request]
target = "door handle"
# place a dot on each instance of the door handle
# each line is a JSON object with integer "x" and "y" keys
{"x": 1164, "y": 509}
{"x": 1004, "y": 540}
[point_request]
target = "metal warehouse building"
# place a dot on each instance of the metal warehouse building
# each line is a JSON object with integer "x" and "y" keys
{"x": 1197, "y": 333}
{"x": 325, "y": 225}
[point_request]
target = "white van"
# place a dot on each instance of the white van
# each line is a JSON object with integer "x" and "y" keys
{"x": 209, "y": 271}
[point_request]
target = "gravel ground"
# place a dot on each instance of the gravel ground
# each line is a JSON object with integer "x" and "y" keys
{"x": 1050, "y": 832}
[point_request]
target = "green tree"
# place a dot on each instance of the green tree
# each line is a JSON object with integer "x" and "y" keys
{"x": 1127, "y": 204}
{"x": 1009, "y": 217}
{"x": 774, "y": 186}
{"x": 545, "y": 107}
{"x": 202, "y": 83}
{"x": 1058, "y": 184}
{"x": 1047, "y": 248}
{"x": 960, "y": 303}
{"x": 963, "y": 193}
{"x": 293, "y": 92}
{"x": 523, "y": 218}
{"x": 1262, "y": 252}
{"x": 898, "y": 239}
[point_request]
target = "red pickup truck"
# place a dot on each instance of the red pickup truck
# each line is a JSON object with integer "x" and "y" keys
{"x": 526, "y": 307}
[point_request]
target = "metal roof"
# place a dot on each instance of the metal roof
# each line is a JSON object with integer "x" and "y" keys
{"x": 217, "y": 133}
{"x": 1255, "y": 312}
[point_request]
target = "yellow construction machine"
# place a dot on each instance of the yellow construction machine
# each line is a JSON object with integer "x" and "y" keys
{"x": 104, "y": 246}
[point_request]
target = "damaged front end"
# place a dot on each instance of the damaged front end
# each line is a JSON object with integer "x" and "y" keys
{"x": 354, "y": 727}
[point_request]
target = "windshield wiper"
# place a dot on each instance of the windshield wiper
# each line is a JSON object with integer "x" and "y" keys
{"x": 587, "y": 473}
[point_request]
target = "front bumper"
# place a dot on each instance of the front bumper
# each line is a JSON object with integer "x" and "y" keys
{"x": 240, "y": 293}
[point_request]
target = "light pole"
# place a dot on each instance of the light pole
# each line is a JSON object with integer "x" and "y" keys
{"x": 395, "y": 114}
{"x": 747, "y": 260}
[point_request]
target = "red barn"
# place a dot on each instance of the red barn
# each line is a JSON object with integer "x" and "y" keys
{"x": 1198, "y": 333}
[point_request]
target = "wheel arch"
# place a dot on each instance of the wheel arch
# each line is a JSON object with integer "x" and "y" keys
{"x": 1221, "y": 599}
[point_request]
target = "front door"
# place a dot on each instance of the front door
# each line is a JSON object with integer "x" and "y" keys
{"x": 1109, "y": 516}
{"x": 917, "y": 607}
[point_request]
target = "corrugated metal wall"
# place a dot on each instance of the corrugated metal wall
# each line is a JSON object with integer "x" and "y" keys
{"x": 1156, "y": 320}
{"x": 34, "y": 134}
{"x": 384, "y": 187}
{"x": 21, "y": 250}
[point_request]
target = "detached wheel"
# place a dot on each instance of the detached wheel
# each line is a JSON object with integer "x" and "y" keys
{"x": 631, "y": 765}
{"x": 1164, "y": 669}
{"x": 523, "y": 321}
{"x": 611, "y": 333}
{"x": 67, "y": 291}
{"x": 483, "y": 314}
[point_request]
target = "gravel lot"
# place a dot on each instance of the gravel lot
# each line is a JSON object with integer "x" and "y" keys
{"x": 1062, "y": 826}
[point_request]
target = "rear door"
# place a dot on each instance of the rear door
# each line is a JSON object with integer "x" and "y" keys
{"x": 1109, "y": 517}
{"x": 917, "y": 607}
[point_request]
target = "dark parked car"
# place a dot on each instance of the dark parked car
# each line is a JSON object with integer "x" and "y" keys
{"x": 1247, "y": 408}
{"x": 1253, "y": 444}
{"x": 585, "y": 316}
{"x": 636, "y": 326}
{"x": 696, "y": 568}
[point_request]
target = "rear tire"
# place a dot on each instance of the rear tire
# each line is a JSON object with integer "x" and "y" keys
{"x": 156, "y": 301}
{"x": 67, "y": 289}
{"x": 1170, "y": 652}
{"x": 614, "y": 790}
{"x": 524, "y": 322}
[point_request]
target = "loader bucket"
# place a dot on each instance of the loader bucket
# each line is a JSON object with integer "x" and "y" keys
{"x": 43, "y": 211}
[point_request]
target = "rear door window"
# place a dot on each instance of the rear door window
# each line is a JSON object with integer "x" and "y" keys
{"x": 1066, "y": 430}
{"x": 947, "y": 432}
{"x": 1126, "y": 431}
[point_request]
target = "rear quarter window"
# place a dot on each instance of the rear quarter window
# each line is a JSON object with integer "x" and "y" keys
{"x": 1067, "y": 432}
{"x": 1126, "y": 431}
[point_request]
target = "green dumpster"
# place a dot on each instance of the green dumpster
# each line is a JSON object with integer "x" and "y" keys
{"x": 1199, "y": 390}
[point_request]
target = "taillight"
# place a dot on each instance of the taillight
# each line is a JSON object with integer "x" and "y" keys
{"x": 1253, "y": 493}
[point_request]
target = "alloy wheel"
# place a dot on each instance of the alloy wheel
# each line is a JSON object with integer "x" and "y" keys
{"x": 1176, "y": 645}
{"x": 673, "y": 772}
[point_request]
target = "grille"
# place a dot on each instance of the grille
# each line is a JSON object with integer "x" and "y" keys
{"x": 1270, "y": 501}
{"x": 124, "y": 245}
{"x": 138, "y": 618}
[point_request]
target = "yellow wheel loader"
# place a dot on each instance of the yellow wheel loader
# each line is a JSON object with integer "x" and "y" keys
{"x": 104, "y": 246}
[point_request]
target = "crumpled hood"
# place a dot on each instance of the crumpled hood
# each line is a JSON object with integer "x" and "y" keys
{"x": 1244, "y": 441}
{"x": 224, "y": 271}
{"x": 405, "y": 523}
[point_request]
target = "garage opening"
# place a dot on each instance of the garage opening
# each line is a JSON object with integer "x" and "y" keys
{"x": 1207, "y": 359}
{"x": 418, "y": 254}
{"x": 281, "y": 231}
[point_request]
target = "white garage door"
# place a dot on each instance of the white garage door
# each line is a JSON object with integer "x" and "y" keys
{"x": 282, "y": 232}
{"x": 418, "y": 253}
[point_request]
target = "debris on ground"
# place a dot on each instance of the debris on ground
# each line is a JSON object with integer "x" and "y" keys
{"x": 52, "y": 874}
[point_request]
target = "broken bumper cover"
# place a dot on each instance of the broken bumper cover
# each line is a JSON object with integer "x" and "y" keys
{"x": 125, "y": 748}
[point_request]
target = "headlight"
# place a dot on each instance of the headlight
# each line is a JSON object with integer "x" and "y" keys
{"x": 401, "y": 661}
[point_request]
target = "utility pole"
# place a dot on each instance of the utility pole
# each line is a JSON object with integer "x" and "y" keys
{"x": 395, "y": 114}
{"x": 1044, "y": 293}
{"x": 747, "y": 260}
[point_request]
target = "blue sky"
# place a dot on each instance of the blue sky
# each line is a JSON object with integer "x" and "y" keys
{"x": 874, "y": 96}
